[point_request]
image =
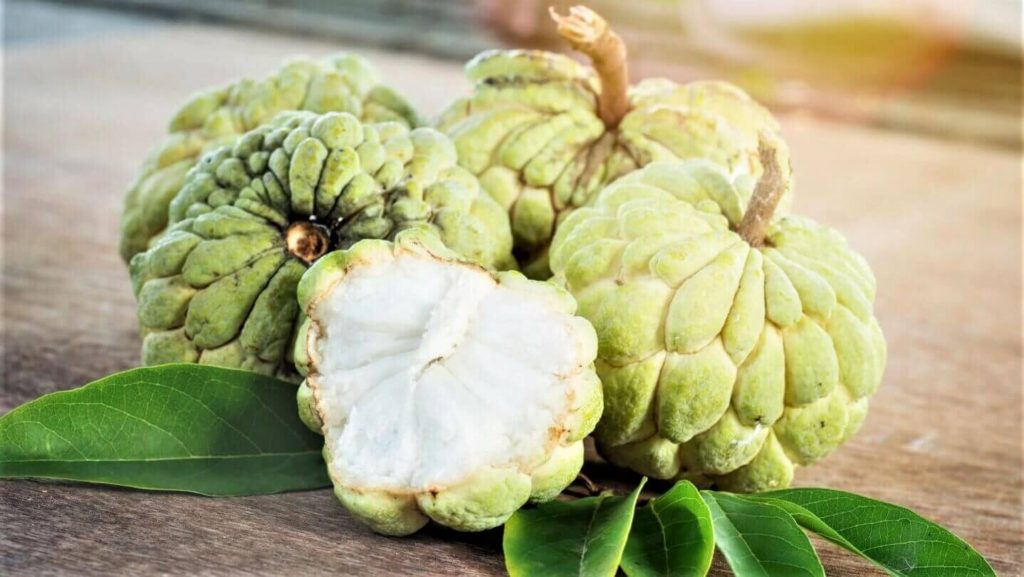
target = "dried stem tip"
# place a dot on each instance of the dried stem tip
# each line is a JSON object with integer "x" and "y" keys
{"x": 307, "y": 240}
{"x": 588, "y": 33}
{"x": 769, "y": 191}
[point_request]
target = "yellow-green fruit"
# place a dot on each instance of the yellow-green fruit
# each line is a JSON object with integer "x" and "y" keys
{"x": 219, "y": 286}
{"x": 443, "y": 392}
{"x": 532, "y": 132}
{"x": 722, "y": 362}
{"x": 338, "y": 83}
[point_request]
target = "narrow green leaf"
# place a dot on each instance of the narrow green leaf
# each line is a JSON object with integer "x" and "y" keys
{"x": 671, "y": 536}
{"x": 583, "y": 537}
{"x": 760, "y": 539}
{"x": 898, "y": 540}
{"x": 184, "y": 427}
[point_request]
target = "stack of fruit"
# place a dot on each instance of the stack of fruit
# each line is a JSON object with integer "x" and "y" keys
{"x": 309, "y": 224}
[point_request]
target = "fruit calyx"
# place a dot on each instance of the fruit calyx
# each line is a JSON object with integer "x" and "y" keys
{"x": 770, "y": 189}
{"x": 307, "y": 240}
{"x": 590, "y": 34}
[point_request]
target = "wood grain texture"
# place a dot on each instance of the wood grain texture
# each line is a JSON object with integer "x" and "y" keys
{"x": 940, "y": 223}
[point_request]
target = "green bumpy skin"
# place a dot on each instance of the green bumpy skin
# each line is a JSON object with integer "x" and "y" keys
{"x": 721, "y": 363}
{"x": 219, "y": 286}
{"x": 482, "y": 498}
{"x": 211, "y": 118}
{"x": 531, "y": 132}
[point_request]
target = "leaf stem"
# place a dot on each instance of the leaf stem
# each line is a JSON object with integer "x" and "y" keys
{"x": 770, "y": 189}
{"x": 590, "y": 34}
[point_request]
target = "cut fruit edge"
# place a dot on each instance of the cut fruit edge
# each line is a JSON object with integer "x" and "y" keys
{"x": 428, "y": 372}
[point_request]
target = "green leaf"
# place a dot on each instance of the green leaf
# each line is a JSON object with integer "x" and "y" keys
{"x": 671, "y": 536}
{"x": 583, "y": 537}
{"x": 760, "y": 539}
{"x": 182, "y": 427}
{"x": 898, "y": 540}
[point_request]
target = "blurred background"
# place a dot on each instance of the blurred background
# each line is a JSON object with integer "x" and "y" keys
{"x": 947, "y": 68}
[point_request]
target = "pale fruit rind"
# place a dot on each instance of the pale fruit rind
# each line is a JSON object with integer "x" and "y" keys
{"x": 219, "y": 286}
{"x": 218, "y": 116}
{"x": 532, "y": 133}
{"x": 722, "y": 363}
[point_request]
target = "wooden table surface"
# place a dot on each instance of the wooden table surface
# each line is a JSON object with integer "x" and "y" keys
{"x": 940, "y": 222}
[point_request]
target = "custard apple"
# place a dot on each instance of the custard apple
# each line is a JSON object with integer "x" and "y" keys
{"x": 219, "y": 286}
{"x": 544, "y": 133}
{"x": 339, "y": 83}
{"x": 444, "y": 392}
{"x": 732, "y": 346}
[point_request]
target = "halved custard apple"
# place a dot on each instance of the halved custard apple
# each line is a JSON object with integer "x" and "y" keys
{"x": 444, "y": 392}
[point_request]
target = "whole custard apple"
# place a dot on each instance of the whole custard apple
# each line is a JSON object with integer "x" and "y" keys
{"x": 732, "y": 347}
{"x": 443, "y": 392}
{"x": 219, "y": 286}
{"x": 544, "y": 133}
{"x": 339, "y": 83}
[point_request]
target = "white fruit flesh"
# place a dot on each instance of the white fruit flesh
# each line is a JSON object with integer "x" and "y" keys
{"x": 429, "y": 371}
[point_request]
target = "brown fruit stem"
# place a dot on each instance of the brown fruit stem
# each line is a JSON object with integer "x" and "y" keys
{"x": 307, "y": 240}
{"x": 590, "y": 34}
{"x": 769, "y": 191}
